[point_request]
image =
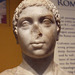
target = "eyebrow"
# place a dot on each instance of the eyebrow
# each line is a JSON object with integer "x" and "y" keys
{"x": 25, "y": 18}
{"x": 50, "y": 17}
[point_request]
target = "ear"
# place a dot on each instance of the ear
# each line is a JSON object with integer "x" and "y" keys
{"x": 16, "y": 35}
{"x": 58, "y": 31}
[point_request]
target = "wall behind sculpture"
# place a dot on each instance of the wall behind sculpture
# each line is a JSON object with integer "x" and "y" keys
{"x": 65, "y": 49}
{"x": 10, "y": 52}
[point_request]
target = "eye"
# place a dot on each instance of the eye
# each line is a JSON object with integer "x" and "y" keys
{"x": 25, "y": 23}
{"x": 47, "y": 22}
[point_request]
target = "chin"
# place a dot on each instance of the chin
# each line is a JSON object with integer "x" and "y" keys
{"x": 39, "y": 55}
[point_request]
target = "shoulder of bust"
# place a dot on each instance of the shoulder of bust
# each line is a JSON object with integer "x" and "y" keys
{"x": 9, "y": 71}
{"x": 6, "y": 72}
{"x": 61, "y": 71}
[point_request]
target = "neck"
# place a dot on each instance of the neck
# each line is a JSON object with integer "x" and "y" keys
{"x": 39, "y": 65}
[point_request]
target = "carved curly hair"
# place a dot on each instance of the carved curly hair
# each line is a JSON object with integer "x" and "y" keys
{"x": 28, "y": 3}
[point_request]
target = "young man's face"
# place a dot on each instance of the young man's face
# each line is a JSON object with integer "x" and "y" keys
{"x": 37, "y": 31}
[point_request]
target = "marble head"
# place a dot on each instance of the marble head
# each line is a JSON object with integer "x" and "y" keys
{"x": 36, "y": 25}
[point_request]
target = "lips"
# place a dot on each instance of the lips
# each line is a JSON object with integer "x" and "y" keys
{"x": 37, "y": 44}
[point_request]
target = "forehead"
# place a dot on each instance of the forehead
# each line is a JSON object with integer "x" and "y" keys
{"x": 35, "y": 11}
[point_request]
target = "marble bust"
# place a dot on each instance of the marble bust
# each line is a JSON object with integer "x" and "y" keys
{"x": 36, "y": 25}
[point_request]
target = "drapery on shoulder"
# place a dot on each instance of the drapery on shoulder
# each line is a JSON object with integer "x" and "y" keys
{"x": 20, "y": 71}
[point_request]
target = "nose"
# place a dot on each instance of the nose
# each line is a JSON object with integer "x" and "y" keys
{"x": 36, "y": 30}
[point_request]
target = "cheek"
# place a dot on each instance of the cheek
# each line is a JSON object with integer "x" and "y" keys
{"x": 49, "y": 34}
{"x": 24, "y": 36}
